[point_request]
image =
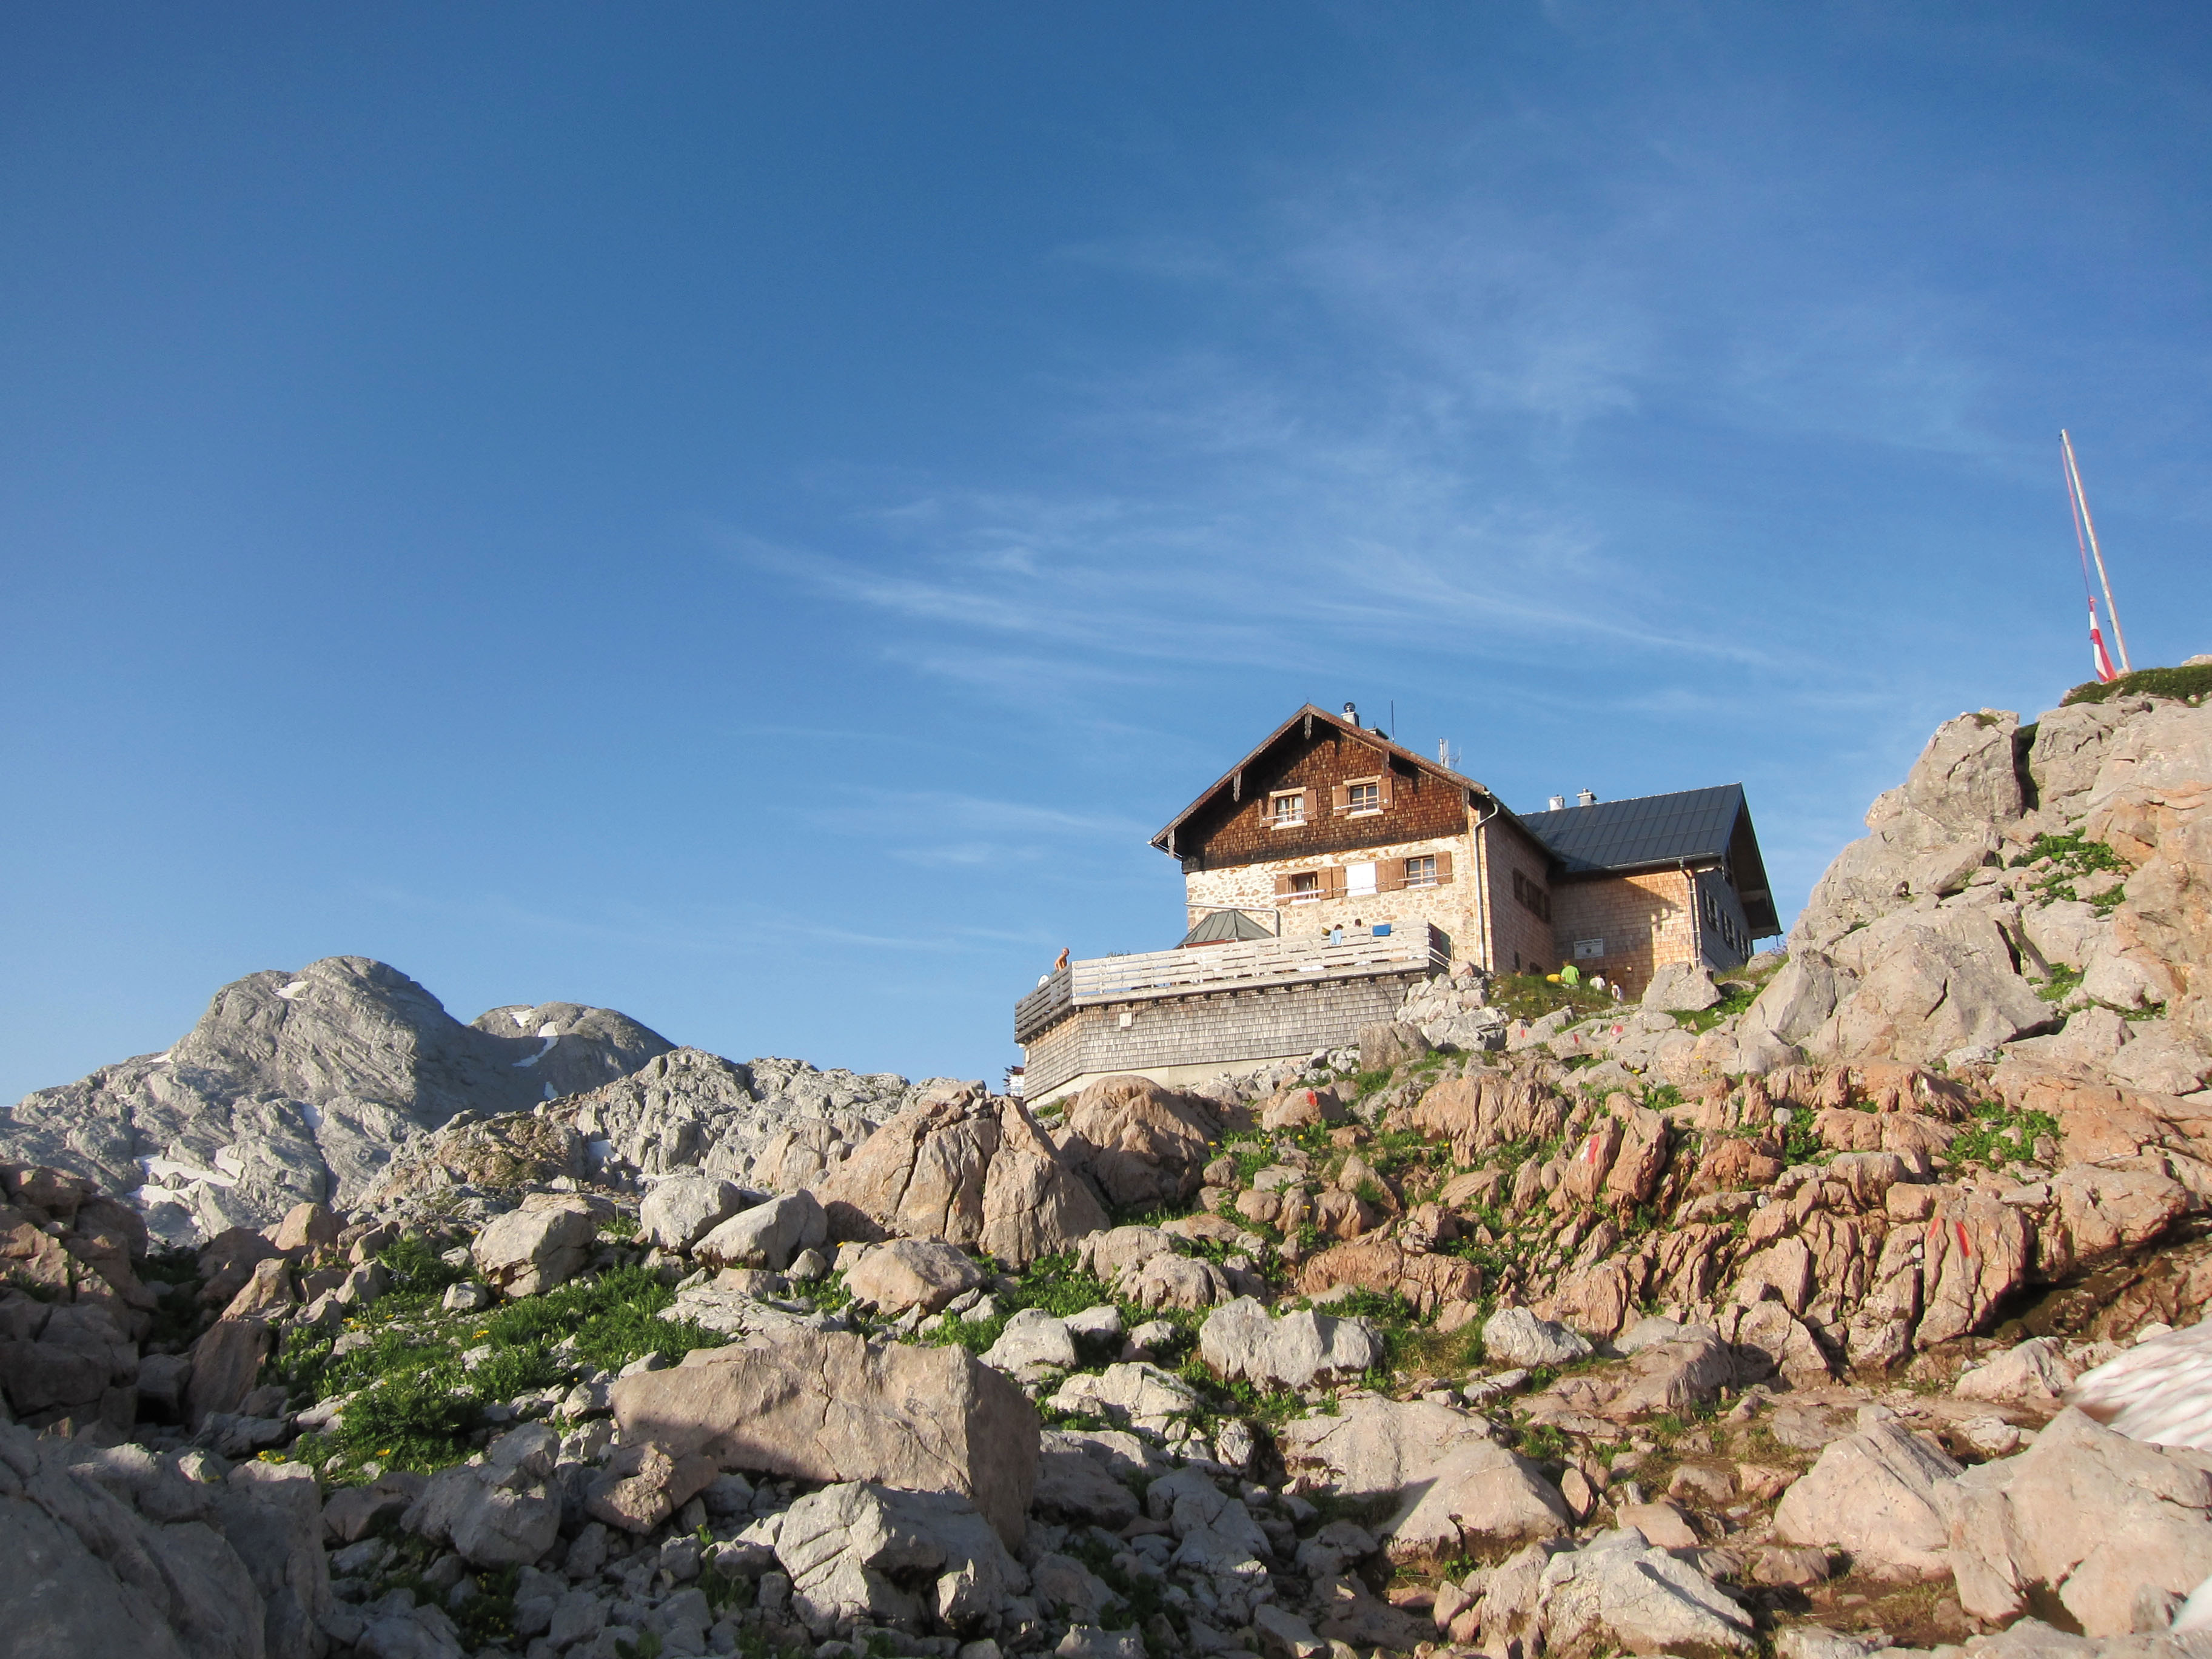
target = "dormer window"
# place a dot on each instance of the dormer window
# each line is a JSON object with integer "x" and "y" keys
{"x": 1286, "y": 808}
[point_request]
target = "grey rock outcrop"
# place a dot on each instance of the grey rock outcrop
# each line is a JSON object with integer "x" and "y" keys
{"x": 1875, "y": 1494}
{"x": 122, "y": 1553}
{"x": 969, "y": 1169}
{"x": 835, "y": 1408}
{"x": 297, "y": 1087}
{"x": 1240, "y": 1342}
{"x": 543, "y": 1244}
{"x": 859, "y": 1551}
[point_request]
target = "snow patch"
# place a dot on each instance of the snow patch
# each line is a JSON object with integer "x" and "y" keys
{"x": 551, "y": 1035}
{"x": 161, "y": 1169}
{"x": 521, "y": 1016}
{"x": 549, "y": 1093}
{"x": 292, "y": 993}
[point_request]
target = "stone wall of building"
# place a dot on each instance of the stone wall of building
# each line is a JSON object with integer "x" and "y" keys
{"x": 1641, "y": 921}
{"x": 1450, "y": 905}
{"x": 1520, "y": 934}
{"x": 1227, "y": 1029}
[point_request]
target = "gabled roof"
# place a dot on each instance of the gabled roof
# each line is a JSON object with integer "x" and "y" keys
{"x": 1659, "y": 831}
{"x": 1375, "y": 740}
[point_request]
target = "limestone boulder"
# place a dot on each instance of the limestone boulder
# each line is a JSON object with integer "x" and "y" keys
{"x": 684, "y": 1209}
{"x": 766, "y": 1235}
{"x": 832, "y": 1407}
{"x": 226, "y": 1364}
{"x": 643, "y": 1484}
{"x": 1484, "y": 1110}
{"x": 1618, "y": 1592}
{"x": 1081, "y": 1479}
{"x": 1426, "y": 1281}
{"x": 2090, "y": 1516}
{"x": 500, "y": 1512}
{"x": 1240, "y": 1342}
{"x": 963, "y": 1167}
{"x": 1215, "y": 1533}
{"x": 1471, "y": 1502}
{"x": 1873, "y": 1493}
{"x": 1681, "y": 987}
{"x": 1921, "y": 994}
{"x": 865, "y": 1552}
{"x": 1139, "y": 1143}
{"x": 1514, "y": 1336}
{"x": 1675, "y": 1375}
{"x": 91, "y": 1572}
{"x": 911, "y": 1273}
{"x": 1032, "y": 1337}
{"x": 1388, "y": 1044}
{"x": 535, "y": 1249}
{"x": 2032, "y": 1373}
{"x": 1134, "y": 1392}
{"x": 1373, "y": 1447}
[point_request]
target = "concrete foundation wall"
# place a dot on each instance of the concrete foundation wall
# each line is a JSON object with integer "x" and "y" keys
{"x": 1221, "y": 1031}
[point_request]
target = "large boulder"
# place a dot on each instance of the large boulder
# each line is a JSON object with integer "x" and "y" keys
{"x": 684, "y": 1209}
{"x": 1873, "y": 1493}
{"x": 1925, "y": 991}
{"x": 911, "y": 1273}
{"x": 766, "y": 1235}
{"x": 1681, "y": 987}
{"x": 1472, "y": 1501}
{"x": 1514, "y": 1336}
{"x": 1372, "y": 1447}
{"x": 1618, "y": 1592}
{"x": 544, "y": 1244}
{"x": 121, "y": 1552}
{"x": 832, "y": 1407}
{"x": 1141, "y": 1143}
{"x": 2090, "y": 1516}
{"x": 1240, "y": 1342}
{"x": 501, "y": 1512}
{"x": 964, "y": 1167}
{"x": 863, "y": 1553}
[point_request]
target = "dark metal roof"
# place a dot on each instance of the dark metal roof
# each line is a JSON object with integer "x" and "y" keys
{"x": 1226, "y": 927}
{"x": 1651, "y": 829}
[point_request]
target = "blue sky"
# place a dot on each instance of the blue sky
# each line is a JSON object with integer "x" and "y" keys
{"x": 752, "y": 515}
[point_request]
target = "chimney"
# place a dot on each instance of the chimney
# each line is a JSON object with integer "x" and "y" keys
{"x": 1351, "y": 715}
{"x": 1583, "y": 798}
{"x": 1558, "y": 804}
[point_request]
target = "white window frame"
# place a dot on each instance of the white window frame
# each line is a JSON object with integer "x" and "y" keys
{"x": 1353, "y": 811}
{"x": 1276, "y": 820}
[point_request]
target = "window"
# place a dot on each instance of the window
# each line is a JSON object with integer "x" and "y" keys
{"x": 1421, "y": 872}
{"x": 1359, "y": 877}
{"x": 1286, "y": 808}
{"x": 1305, "y": 886}
{"x": 1363, "y": 797}
{"x": 1532, "y": 896}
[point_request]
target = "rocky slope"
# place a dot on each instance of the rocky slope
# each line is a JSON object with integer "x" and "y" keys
{"x": 1744, "y": 1321}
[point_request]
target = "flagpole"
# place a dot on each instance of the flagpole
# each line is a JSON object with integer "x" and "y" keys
{"x": 2081, "y": 497}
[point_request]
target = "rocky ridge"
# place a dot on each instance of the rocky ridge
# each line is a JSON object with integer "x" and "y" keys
{"x": 1746, "y": 1319}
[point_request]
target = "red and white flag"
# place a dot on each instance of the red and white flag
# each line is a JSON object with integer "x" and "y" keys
{"x": 2097, "y": 654}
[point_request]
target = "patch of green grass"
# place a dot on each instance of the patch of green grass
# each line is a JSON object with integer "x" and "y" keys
{"x": 1738, "y": 998}
{"x": 2072, "y": 858}
{"x": 2183, "y": 685}
{"x": 1800, "y": 1141}
{"x": 1531, "y": 996}
{"x": 419, "y": 1405}
{"x": 1997, "y": 1136}
{"x": 2062, "y": 984}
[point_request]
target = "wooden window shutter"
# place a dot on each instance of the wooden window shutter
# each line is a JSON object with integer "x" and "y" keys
{"x": 1443, "y": 868}
{"x": 1339, "y": 796}
{"x": 1382, "y": 796}
{"x": 1306, "y": 803}
{"x": 1389, "y": 875}
{"x": 1334, "y": 877}
{"x": 1282, "y": 891}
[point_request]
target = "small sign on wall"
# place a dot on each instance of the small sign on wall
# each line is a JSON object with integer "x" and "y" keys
{"x": 1587, "y": 948}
